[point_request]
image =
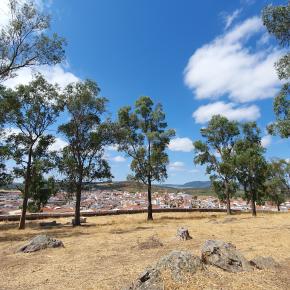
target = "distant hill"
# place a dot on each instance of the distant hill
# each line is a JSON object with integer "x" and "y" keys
{"x": 191, "y": 184}
{"x": 198, "y": 188}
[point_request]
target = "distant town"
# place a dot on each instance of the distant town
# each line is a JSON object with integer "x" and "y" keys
{"x": 112, "y": 200}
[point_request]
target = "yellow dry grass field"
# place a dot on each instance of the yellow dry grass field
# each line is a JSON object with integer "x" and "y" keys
{"x": 103, "y": 254}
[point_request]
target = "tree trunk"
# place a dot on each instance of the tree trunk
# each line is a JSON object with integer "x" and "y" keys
{"x": 150, "y": 214}
{"x": 253, "y": 205}
{"x": 229, "y": 211}
{"x": 26, "y": 191}
{"x": 278, "y": 206}
{"x": 77, "y": 219}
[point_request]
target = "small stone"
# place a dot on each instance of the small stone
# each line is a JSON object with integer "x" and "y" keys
{"x": 183, "y": 234}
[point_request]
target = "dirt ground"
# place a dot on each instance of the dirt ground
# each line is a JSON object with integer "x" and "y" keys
{"x": 103, "y": 254}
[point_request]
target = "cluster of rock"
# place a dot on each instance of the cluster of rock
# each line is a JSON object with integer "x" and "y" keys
{"x": 39, "y": 243}
{"x": 180, "y": 263}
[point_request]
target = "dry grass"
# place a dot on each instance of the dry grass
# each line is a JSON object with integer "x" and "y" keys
{"x": 104, "y": 253}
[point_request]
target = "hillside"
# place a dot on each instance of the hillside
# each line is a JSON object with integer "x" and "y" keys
{"x": 191, "y": 184}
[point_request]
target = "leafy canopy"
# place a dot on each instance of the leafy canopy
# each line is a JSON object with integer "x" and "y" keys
{"x": 144, "y": 138}
{"x": 86, "y": 133}
{"x": 24, "y": 41}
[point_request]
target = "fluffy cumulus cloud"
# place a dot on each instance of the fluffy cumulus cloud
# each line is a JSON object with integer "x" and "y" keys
{"x": 177, "y": 166}
{"x": 181, "y": 144}
{"x": 266, "y": 141}
{"x": 230, "y": 110}
{"x": 229, "y": 66}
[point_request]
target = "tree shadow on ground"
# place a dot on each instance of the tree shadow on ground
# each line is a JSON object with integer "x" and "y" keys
{"x": 59, "y": 231}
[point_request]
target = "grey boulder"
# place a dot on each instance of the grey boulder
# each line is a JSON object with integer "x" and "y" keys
{"x": 224, "y": 255}
{"x": 177, "y": 262}
{"x": 40, "y": 242}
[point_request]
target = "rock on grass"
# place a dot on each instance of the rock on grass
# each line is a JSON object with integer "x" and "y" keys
{"x": 178, "y": 263}
{"x": 40, "y": 242}
{"x": 224, "y": 255}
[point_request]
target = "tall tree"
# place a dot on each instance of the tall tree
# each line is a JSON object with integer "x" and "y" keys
{"x": 24, "y": 41}
{"x": 278, "y": 182}
{"x": 277, "y": 21}
{"x": 82, "y": 160}
{"x": 37, "y": 106}
{"x": 250, "y": 164}
{"x": 217, "y": 152}
{"x": 144, "y": 136}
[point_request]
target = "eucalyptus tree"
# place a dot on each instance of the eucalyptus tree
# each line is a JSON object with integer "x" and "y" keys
{"x": 36, "y": 107}
{"x": 277, "y": 21}
{"x": 250, "y": 164}
{"x": 87, "y": 133}
{"x": 144, "y": 137}
{"x": 278, "y": 182}
{"x": 25, "y": 41}
{"x": 217, "y": 151}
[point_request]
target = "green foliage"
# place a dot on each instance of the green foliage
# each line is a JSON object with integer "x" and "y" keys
{"x": 278, "y": 182}
{"x": 24, "y": 41}
{"x": 143, "y": 137}
{"x": 282, "y": 111}
{"x": 277, "y": 21}
{"x": 82, "y": 160}
{"x": 217, "y": 152}
{"x": 250, "y": 164}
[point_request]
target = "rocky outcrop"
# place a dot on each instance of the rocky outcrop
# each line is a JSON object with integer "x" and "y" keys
{"x": 224, "y": 255}
{"x": 178, "y": 263}
{"x": 39, "y": 243}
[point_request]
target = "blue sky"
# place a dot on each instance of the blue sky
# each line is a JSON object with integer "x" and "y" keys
{"x": 195, "y": 57}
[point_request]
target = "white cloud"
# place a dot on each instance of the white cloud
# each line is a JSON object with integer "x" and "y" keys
{"x": 177, "y": 166}
{"x": 53, "y": 74}
{"x": 230, "y": 110}
{"x": 118, "y": 158}
{"x": 112, "y": 147}
{"x": 227, "y": 66}
{"x": 266, "y": 140}
{"x": 58, "y": 145}
{"x": 180, "y": 144}
{"x": 229, "y": 18}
